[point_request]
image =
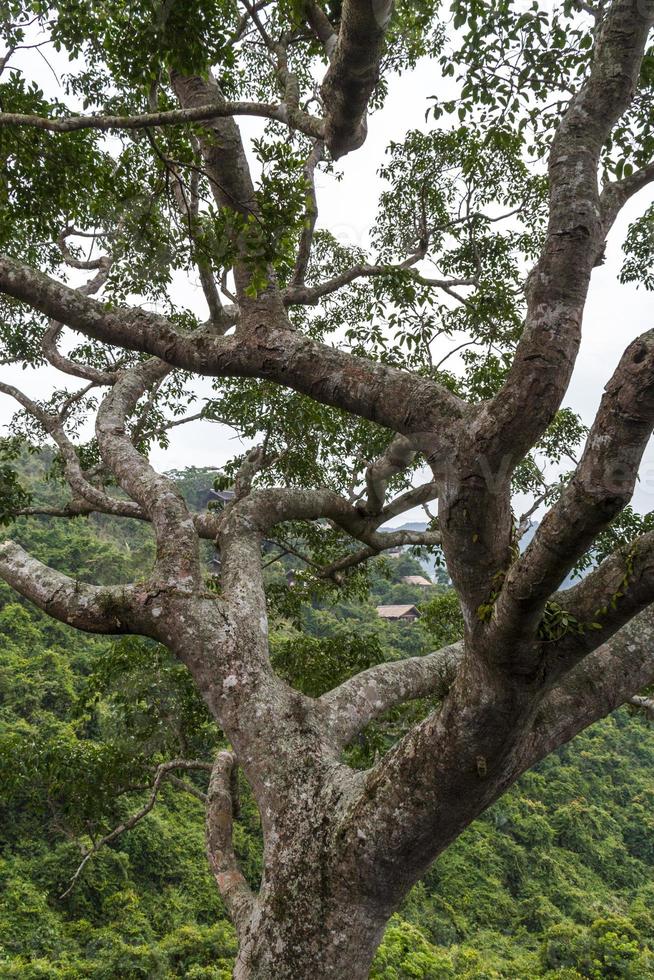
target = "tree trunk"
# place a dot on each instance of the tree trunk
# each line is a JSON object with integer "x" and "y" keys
{"x": 319, "y": 913}
{"x": 310, "y": 940}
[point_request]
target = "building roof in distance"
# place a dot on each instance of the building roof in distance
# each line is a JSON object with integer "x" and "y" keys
{"x": 396, "y": 612}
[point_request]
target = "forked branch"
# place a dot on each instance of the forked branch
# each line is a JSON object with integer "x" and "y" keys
{"x": 576, "y": 232}
{"x": 601, "y": 486}
{"x": 84, "y": 492}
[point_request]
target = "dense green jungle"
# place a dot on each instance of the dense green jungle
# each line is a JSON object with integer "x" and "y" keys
{"x": 556, "y": 879}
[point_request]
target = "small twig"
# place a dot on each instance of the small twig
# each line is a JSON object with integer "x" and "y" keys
{"x": 161, "y": 773}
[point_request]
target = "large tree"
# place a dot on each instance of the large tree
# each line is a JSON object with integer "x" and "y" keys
{"x": 330, "y": 359}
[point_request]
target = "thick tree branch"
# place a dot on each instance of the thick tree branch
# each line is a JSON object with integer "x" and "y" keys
{"x": 415, "y": 497}
{"x": 321, "y": 26}
{"x": 399, "y": 455}
{"x": 224, "y": 160}
{"x": 354, "y": 704}
{"x": 94, "y": 609}
{"x": 458, "y": 761}
{"x": 234, "y": 889}
{"x": 226, "y": 166}
{"x": 616, "y": 193}
{"x": 262, "y": 509}
{"x": 604, "y": 601}
{"x": 245, "y": 523}
{"x": 353, "y": 72}
{"x": 265, "y": 508}
{"x": 383, "y": 540}
{"x": 606, "y": 679}
{"x": 403, "y": 402}
{"x": 178, "y": 557}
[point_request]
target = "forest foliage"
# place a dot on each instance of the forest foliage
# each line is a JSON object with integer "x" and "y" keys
{"x": 555, "y": 880}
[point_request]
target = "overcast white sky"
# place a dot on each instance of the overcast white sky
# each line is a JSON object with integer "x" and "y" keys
{"x": 615, "y": 314}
